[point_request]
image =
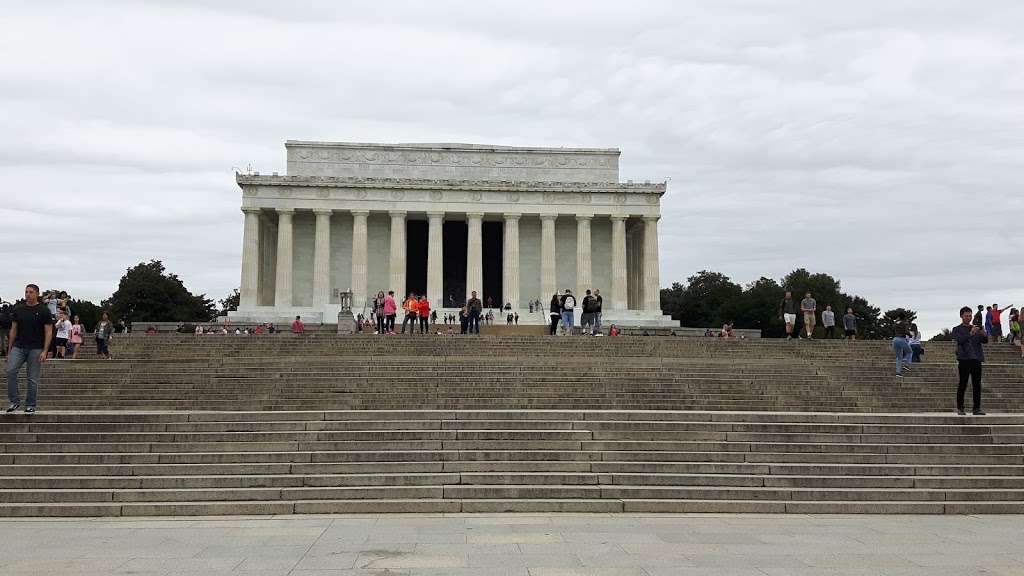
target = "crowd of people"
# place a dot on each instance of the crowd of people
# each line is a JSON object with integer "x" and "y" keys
{"x": 808, "y": 309}
{"x": 43, "y": 326}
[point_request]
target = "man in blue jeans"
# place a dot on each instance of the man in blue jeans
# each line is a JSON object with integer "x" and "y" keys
{"x": 30, "y": 337}
{"x": 904, "y": 353}
{"x": 568, "y": 309}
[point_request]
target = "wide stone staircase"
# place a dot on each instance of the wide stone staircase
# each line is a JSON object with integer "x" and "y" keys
{"x": 281, "y": 424}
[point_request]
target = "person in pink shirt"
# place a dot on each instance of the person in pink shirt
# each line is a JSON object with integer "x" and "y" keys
{"x": 297, "y": 326}
{"x": 76, "y": 336}
{"x": 390, "y": 308}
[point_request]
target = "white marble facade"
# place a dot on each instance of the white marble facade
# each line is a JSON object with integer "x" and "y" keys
{"x": 344, "y": 215}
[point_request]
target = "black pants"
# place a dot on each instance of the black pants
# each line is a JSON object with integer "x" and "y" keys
{"x": 830, "y": 331}
{"x": 380, "y": 323}
{"x": 424, "y": 325}
{"x": 389, "y": 322}
{"x": 555, "y": 320}
{"x": 969, "y": 369}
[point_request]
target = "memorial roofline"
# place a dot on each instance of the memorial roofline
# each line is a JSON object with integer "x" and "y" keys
{"x": 449, "y": 146}
{"x": 424, "y": 184}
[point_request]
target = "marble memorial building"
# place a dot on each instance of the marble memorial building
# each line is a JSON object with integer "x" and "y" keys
{"x": 514, "y": 224}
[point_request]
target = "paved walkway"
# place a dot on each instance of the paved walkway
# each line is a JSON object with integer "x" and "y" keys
{"x": 518, "y": 545}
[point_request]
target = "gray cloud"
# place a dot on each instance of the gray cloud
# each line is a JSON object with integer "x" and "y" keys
{"x": 881, "y": 143}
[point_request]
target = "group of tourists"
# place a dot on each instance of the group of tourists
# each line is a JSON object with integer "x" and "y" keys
{"x": 562, "y": 312}
{"x": 808, "y": 308}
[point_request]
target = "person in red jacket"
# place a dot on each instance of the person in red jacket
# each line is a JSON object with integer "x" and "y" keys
{"x": 297, "y": 326}
{"x": 423, "y": 307}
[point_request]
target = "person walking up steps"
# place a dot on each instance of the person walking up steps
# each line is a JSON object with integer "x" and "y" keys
{"x": 808, "y": 306}
{"x": 787, "y": 311}
{"x": 969, "y": 357}
{"x": 29, "y": 339}
{"x": 904, "y": 354}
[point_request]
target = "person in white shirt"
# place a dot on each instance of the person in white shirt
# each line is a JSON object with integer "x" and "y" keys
{"x": 63, "y": 329}
{"x": 828, "y": 320}
{"x": 914, "y": 339}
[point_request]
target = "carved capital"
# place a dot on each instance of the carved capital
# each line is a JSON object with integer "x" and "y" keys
{"x": 285, "y": 211}
{"x": 323, "y": 212}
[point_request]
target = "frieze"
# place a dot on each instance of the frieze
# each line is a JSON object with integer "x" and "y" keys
{"x": 456, "y": 158}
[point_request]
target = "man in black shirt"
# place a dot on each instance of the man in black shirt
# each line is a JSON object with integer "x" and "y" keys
{"x": 969, "y": 355}
{"x": 30, "y": 337}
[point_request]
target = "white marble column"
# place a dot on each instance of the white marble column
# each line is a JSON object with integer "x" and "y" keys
{"x": 510, "y": 261}
{"x": 359, "y": 258}
{"x": 583, "y": 268}
{"x": 435, "y": 259}
{"x": 250, "y": 259}
{"x": 475, "y": 255}
{"x": 652, "y": 291}
{"x": 283, "y": 282}
{"x": 547, "y": 256}
{"x": 322, "y": 259}
{"x": 397, "y": 276}
{"x": 619, "y": 295}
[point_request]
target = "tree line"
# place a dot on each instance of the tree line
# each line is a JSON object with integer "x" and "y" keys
{"x": 711, "y": 299}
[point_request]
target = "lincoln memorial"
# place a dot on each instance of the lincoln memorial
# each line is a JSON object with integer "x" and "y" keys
{"x": 515, "y": 224}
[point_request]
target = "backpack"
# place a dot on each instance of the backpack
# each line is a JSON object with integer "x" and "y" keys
{"x": 569, "y": 302}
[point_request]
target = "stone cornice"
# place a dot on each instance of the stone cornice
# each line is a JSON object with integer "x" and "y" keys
{"x": 446, "y": 147}
{"x": 463, "y": 185}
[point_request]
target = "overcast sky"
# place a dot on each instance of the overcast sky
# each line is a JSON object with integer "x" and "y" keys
{"x": 880, "y": 142}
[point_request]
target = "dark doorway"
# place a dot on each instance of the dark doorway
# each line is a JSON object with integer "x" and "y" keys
{"x": 455, "y": 234}
{"x": 416, "y": 257}
{"x": 492, "y": 249}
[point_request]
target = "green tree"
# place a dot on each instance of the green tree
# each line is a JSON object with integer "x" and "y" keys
{"x": 945, "y": 336}
{"x": 147, "y": 294}
{"x": 709, "y": 299}
{"x": 230, "y": 303}
{"x": 759, "y": 308}
{"x": 87, "y": 312}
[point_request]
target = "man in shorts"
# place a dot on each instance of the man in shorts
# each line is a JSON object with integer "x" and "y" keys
{"x": 787, "y": 311}
{"x": 808, "y": 306}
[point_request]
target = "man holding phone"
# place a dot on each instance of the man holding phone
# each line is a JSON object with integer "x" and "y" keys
{"x": 969, "y": 356}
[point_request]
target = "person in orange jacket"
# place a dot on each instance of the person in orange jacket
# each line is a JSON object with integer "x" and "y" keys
{"x": 423, "y": 308}
{"x": 411, "y": 307}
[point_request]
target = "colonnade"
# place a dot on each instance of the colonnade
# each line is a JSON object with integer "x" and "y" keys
{"x": 646, "y": 279}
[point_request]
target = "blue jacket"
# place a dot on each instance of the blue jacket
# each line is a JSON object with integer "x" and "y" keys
{"x": 968, "y": 346}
